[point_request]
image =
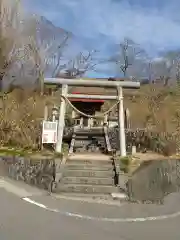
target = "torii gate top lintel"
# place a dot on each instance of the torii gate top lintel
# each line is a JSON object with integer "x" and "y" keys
{"x": 92, "y": 82}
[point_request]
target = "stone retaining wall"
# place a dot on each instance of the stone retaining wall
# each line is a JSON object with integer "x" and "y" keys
{"x": 154, "y": 180}
{"x": 39, "y": 172}
{"x": 143, "y": 140}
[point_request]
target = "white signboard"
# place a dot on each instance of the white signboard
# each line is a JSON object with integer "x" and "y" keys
{"x": 49, "y": 132}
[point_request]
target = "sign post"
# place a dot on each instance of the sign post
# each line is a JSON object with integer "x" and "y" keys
{"x": 49, "y": 132}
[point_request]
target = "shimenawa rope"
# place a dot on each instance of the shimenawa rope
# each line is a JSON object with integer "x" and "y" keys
{"x": 87, "y": 115}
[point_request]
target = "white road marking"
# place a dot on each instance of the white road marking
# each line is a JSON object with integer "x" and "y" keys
{"x": 102, "y": 219}
{"x": 23, "y": 194}
{"x": 34, "y": 202}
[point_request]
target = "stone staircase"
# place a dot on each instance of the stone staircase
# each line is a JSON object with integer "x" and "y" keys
{"x": 93, "y": 139}
{"x": 91, "y": 174}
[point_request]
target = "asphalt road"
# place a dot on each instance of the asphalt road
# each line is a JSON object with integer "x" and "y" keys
{"x": 24, "y": 221}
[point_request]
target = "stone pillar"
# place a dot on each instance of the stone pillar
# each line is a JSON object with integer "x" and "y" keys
{"x": 90, "y": 122}
{"x": 81, "y": 121}
{"x": 61, "y": 121}
{"x": 106, "y": 119}
{"x": 122, "y": 137}
{"x": 73, "y": 114}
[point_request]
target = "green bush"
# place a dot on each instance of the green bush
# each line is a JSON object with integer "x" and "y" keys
{"x": 124, "y": 164}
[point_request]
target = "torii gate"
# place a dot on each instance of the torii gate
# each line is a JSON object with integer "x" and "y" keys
{"x": 119, "y": 85}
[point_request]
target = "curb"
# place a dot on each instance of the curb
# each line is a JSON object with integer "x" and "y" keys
{"x": 90, "y": 200}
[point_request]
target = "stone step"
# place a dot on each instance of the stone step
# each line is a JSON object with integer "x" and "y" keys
{"x": 90, "y": 132}
{"x": 67, "y": 188}
{"x": 81, "y": 144}
{"x": 88, "y": 180}
{"x": 90, "y": 162}
{"x": 83, "y": 140}
{"x": 89, "y": 167}
{"x": 90, "y": 157}
{"x": 81, "y": 150}
{"x": 86, "y": 147}
{"x": 88, "y": 173}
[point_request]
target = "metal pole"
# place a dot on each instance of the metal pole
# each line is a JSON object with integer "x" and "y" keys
{"x": 61, "y": 121}
{"x": 45, "y": 113}
{"x": 122, "y": 137}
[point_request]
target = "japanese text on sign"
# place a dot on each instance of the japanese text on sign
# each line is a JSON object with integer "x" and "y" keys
{"x": 49, "y": 132}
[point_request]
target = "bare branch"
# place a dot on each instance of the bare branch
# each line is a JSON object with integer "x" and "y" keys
{"x": 81, "y": 64}
{"x": 12, "y": 42}
{"x": 59, "y": 55}
{"x": 46, "y": 49}
{"x": 129, "y": 52}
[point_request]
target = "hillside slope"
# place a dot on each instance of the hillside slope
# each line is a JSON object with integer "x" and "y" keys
{"x": 155, "y": 106}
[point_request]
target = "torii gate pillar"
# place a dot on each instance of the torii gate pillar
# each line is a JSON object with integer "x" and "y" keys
{"x": 122, "y": 136}
{"x": 61, "y": 122}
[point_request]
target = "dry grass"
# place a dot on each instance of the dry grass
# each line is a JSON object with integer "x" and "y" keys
{"x": 158, "y": 110}
{"x": 155, "y": 107}
{"x": 20, "y": 115}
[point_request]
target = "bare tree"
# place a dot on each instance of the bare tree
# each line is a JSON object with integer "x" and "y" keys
{"x": 124, "y": 48}
{"x": 174, "y": 59}
{"x": 81, "y": 64}
{"x": 129, "y": 51}
{"x": 150, "y": 71}
{"x": 48, "y": 55}
{"x": 46, "y": 49}
{"x": 158, "y": 70}
{"x": 178, "y": 72}
{"x": 13, "y": 45}
{"x": 171, "y": 67}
